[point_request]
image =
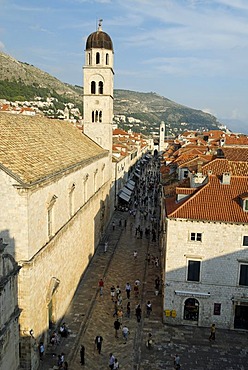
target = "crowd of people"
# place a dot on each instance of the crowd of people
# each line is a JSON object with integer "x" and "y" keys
{"x": 142, "y": 221}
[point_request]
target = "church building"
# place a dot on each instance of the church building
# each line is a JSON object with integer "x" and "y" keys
{"x": 55, "y": 186}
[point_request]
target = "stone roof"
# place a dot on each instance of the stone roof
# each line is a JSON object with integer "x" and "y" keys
{"x": 33, "y": 149}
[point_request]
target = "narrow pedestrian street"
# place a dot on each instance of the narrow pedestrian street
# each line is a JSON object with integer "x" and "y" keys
{"x": 91, "y": 314}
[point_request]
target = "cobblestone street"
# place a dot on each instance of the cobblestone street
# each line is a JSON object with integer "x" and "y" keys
{"x": 90, "y": 315}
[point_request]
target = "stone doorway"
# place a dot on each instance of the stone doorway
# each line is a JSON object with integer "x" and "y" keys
{"x": 191, "y": 309}
{"x": 241, "y": 316}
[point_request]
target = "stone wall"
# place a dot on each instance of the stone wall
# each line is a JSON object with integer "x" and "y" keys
{"x": 220, "y": 253}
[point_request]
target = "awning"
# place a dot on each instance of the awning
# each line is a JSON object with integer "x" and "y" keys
{"x": 127, "y": 191}
{"x": 130, "y": 186}
{"x": 124, "y": 196}
{"x": 131, "y": 182}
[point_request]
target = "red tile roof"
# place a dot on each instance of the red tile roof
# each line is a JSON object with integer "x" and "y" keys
{"x": 212, "y": 202}
{"x": 236, "y": 140}
{"x": 219, "y": 166}
{"x": 118, "y": 131}
{"x": 235, "y": 154}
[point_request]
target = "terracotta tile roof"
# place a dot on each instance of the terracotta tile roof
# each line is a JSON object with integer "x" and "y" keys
{"x": 34, "y": 148}
{"x": 236, "y": 140}
{"x": 118, "y": 131}
{"x": 192, "y": 163}
{"x": 214, "y": 134}
{"x": 235, "y": 154}
{"x": 186, "y": 191}
{"x": 218, "y": 166}
{"x": 212, "y": 202}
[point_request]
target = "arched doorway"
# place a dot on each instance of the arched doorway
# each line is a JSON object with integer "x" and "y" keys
{"x": 191, "y": 309}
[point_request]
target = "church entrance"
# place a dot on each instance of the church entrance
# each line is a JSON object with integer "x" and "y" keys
{"x": 191, "y": 309}
{"x": 241, "y": 316}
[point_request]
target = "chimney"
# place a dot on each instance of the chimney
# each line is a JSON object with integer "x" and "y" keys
{"x": 199, "y": 166}
{"x": 226, "y": 178}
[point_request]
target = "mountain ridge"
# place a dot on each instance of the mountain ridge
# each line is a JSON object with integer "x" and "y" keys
{"x": 145, "y": 110}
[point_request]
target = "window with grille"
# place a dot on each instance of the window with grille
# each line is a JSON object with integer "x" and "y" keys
{"x": 196, "y": 237}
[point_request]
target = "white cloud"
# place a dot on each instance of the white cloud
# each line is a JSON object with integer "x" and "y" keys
{"x": 238, "y": 4}
{"x": 2, "y": 46}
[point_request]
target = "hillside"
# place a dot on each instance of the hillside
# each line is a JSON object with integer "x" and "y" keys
{"x": 20, "y": 81}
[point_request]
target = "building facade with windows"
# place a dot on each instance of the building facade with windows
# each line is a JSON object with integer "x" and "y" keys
{"x": 56, "y": 183}
{"x": 206, "y": 253}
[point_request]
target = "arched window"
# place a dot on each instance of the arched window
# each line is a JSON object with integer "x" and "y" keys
{"x": 191, "y": 309}
{"x": 89, "y": 59}
{"x": 93, "y": 87}
{"x": 96, "y": 116}
{"x": 100, "y": 87}
{"x": 107, "y": 59}
{"x": 100, "y": 116}
{"x": 97, "y": 58}
{"x": 93, "y": 116}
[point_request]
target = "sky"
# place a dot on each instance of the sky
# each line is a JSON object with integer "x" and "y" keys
{"x": 194, "y": 52}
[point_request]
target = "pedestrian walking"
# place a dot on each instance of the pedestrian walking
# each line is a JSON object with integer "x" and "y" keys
{"x": 212, "y": 332}
{"x": 101, "y": 285}
{"x": 120, "y": 315}
{"x": 113, "y": 225}
{"x": 105, "y": 247}
{"x": 60, "y": 361}
{"x": 125, "y": 223}
{"x": 41, "y": 350}
{"x": 119, "y": 302}
{"x": 120, "y": 223}
{"x": 135, "y": 254}
{"x": 128, "y": 290}
{"x": 112, "y": 292}
{"x": 177, "y": 362}
{"x": 128, "y": 310}
{"x": 157, "y": 283}
{"x": 82, "y": 354}
{"x": 156, "y": 262}
{"x": 148, "y": 309}
{"x": 65, "y": 365}
{"x": 125, "y": 333}
{"x": 117, "y": 291}
{"x": 136, "y": 290}
{"x": 149, "y": 341}
{"x": 116, "y": 364}
{"x": 111, "y": 361}
{"x": 138, "y": 313}
{"x": 115, "y": 309}
{"x": 98, "y": 343}
{"x": 117, "y": 326}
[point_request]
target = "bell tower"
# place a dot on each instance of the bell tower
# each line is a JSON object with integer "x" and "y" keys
{"x": 161, "y": 136}
{"x": 99, "y": 88}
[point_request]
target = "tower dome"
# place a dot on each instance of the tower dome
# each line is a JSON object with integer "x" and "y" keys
{"x": 99, "y": 39}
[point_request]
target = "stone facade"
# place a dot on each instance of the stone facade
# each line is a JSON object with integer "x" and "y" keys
{"x": 9, "y": 331}
{"x": 53, "y": 264}
{"x": 220, "y": 253}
